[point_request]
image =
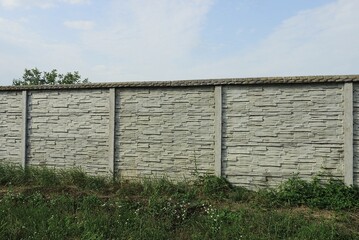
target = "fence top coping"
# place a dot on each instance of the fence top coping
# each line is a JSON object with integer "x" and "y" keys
{"x": 192, "y": 83}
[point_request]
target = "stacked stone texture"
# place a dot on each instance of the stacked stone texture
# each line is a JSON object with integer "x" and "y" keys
{"x": 10, "y": 127}
{"x": 272, "y": 128}
{"x": 273, "y": 132}
{"x": 165, "y": 132}
{"x": 68, "y": 129}
{"x": 356, "y": 132}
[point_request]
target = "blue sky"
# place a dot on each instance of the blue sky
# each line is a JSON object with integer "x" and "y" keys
{"x": 113, "y": 41}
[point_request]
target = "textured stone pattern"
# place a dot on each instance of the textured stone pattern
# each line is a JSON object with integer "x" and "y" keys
{"x": 69, "y": 129}
{"x": 271, "y": 132}
{"x": 10, "y": 127}
{"x": 356, "y": 132}
{"x": 165, "y": 132}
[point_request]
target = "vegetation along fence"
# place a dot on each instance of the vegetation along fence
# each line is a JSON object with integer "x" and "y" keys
{"x": 255, "y": 132}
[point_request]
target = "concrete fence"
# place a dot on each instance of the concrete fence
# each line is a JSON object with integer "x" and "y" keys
{"x": 256, "y": 132}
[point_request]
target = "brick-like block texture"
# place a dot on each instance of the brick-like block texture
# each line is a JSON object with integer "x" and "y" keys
{"x": 10, "y": 127}
{"x": 165, "y": 132}
{"x": 271, "y": 132}
{"x": 69, "y": 129}
{"x": 356, "y": 132}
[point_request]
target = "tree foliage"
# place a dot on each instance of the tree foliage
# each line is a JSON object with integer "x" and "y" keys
{"x": 36, "y": 77}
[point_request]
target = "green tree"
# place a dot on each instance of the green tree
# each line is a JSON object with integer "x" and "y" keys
{"x": 36, "y": 77}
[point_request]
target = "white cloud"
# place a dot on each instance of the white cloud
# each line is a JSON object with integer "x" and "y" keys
{"x": 9, "y": 4}
{"x": 13, "y": 33}
{"x": 136, "y": 40}
{"x": 76, "y": 1}
{"x": 81, "y": 24}
{"x": 319, "y": 41}
{"x": 148, "y": 37}
{"x": 23, "y": 3}
{"x": 158, "y": 40}
{"x": 21, "y": 48}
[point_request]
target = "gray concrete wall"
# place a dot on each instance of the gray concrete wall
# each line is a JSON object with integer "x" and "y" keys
{"x": 271, "y": 132}
{"x": 69, "y": 129}
{"x": 255, "y": 135}
{"x": 10, "y": 127}
{"x": 165, "y": 132}
{"x": 356, "y": 132}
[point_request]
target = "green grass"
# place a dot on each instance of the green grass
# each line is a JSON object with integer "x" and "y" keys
{"x": 333, "y": 194}
{"x": 41, "y": 203}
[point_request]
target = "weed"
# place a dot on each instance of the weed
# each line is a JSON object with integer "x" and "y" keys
{"x": 333, "y": 194}
{"x": 32, "y": 206}
{"x": 214, "y": 187}
{"x": 12, "y": 175}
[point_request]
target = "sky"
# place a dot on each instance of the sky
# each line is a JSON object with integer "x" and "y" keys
{"x": 156, "y": 40}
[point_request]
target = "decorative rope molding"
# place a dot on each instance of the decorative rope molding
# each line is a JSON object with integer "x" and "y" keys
{"x": 193, "y": 83}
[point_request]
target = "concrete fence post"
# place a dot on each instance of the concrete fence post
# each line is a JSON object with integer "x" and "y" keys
{"x": 23, "y": 152}
{"x": 218, "y": 131}
{"x": 348, "y": 133}
{"x": 111, "y": 133}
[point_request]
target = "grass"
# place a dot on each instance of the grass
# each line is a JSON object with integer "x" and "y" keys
{"x": 40, "y": 203}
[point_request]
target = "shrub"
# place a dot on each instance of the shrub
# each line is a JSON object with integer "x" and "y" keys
{"x": 332, "y": 194}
